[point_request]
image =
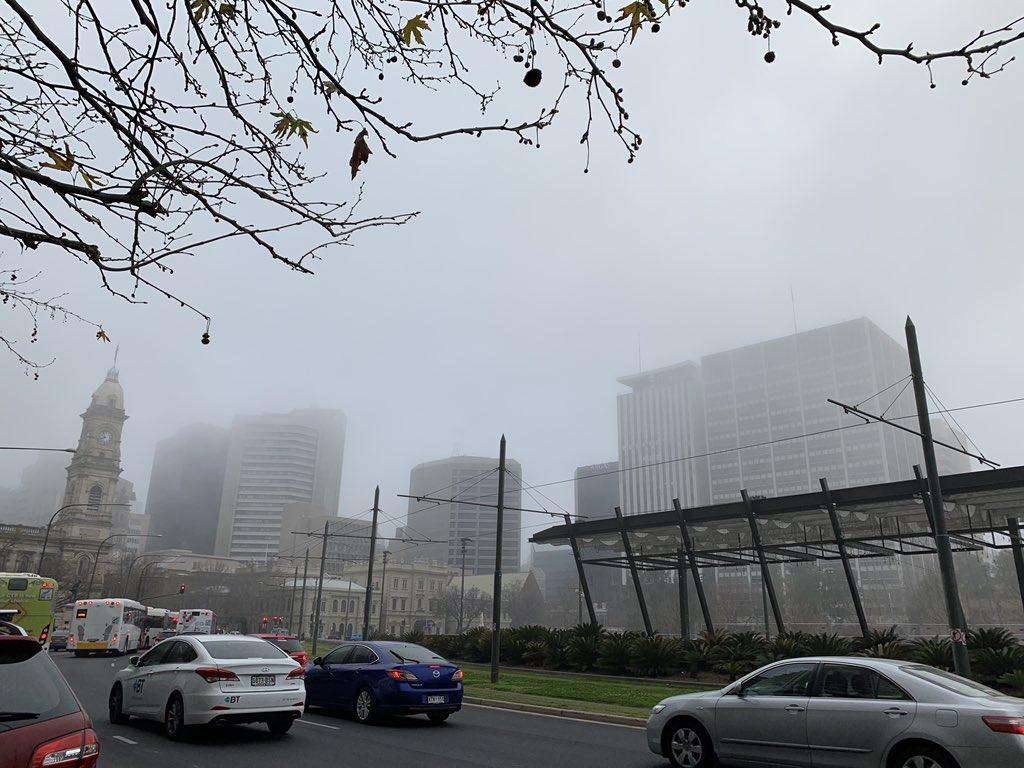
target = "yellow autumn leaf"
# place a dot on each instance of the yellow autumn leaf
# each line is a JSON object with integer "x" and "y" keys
{"x": 414, "y": 29}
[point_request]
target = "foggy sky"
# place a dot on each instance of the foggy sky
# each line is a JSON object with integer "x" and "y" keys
{"x": 526, "y": 287}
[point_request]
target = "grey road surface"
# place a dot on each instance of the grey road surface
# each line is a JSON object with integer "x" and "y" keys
{"x": 476, "y": 736}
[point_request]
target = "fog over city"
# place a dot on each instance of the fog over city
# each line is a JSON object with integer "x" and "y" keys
{"x": 817, "y": 189}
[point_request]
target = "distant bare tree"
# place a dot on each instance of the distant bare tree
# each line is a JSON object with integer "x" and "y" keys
{"x": 136, "y": 133}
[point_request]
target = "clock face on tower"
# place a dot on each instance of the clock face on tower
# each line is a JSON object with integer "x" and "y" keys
{"x": 104, "y": 437}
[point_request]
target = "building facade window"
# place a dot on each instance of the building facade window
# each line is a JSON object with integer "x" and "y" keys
{"x": 95, "y": 497}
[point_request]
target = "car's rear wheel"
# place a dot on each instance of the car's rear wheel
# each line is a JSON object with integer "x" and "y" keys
{"x": 115, "y": 705}
{"x": 80, "y": 654}
{"x": 687, "y": 745}
{"x": 438, "y": 717}
{"x": 364, "y": 705}
{"x": 921, "y": 756}
{"x": 280, "y": 725}
{"x": 174, "y": 718}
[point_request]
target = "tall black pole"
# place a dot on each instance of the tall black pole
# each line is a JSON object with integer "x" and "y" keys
{"x": 291, "y": 602}
{"x": 320, "y": 587}
{"x": 1013, "y": 528}
{"x": 462, "y": 586}
{"x": 581, "y": 575}
{"x": 851, "y": 580}
{"x": 698, "y": 584}
{"x": 302, "y": 596}
{"x": 634, "y": 573}
{"x": 369, "y": 567}
{"x": 684, "y": 598}
{"x": 954, "y": 608}
{"x": 768, "y": 594}
{"x": 496, "y": 602}
{"x": 383, "y": 591}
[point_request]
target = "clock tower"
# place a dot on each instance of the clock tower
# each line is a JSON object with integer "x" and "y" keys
{"x": 96, "y": 467}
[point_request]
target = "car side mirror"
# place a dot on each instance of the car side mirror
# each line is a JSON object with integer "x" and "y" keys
{"x": 318, "y": 661}
{"x": 134, "y": 661}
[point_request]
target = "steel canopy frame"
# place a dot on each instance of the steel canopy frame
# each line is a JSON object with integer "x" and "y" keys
{"x": 845, "y": 524}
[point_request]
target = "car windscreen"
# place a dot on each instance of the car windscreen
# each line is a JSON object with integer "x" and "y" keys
{"x": 33, "y": 689}
{"x": 407, "y": 653}
{"x": 949, "y": 681}
{"x": 289, "y": 644}
{"x": 242, "y": 649}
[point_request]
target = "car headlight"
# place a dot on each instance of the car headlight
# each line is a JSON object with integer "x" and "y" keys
{"x": 657, "y": 708}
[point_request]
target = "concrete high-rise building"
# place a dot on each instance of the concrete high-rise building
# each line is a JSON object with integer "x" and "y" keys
{"x": 185, "y": 489}
{"x": 950, "y": 462}
{"x": 40, "y": 491}
{"x": 661, "y": 420}
{"x": 349, "y": 550}
{"x": 471, "y": 478}
{"x": 274, "y": 460}
{"x": 760, "y": 393}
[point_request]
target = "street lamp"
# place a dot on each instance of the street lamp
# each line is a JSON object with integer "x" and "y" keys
{"x": 49, "y": 525}
{"x": 99, "y": 547}
{"x": 146, "y": 567}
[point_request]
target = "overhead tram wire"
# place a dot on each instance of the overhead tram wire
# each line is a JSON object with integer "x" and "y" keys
{"x": 764, "y": 443}
{"x": 883, "y": 391}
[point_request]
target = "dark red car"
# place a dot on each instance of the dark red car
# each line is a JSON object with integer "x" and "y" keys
{"x": 42, "y": 723}
{"x": 289, "y": 644}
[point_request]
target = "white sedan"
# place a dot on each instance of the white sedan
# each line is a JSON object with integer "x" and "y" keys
{"x": 210, "y": 679}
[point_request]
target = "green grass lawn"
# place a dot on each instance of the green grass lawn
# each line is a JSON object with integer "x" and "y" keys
{"x": 595, "y": 694}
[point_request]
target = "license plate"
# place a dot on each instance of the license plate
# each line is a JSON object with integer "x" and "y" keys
{"x": 262, "y": 681}
{"x": 437, "y": 699}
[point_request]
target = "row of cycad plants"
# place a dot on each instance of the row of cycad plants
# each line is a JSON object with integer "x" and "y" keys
{"x": 997, "y": 656}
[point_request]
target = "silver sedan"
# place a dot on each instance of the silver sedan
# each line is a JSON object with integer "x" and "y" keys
{"x": 838, "y": 712}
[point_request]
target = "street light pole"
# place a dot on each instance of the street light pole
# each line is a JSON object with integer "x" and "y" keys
{"x": 496, "y": 597}
{"x": 462, "y": 587}
{"x": 369, "y": 568}
{"x": 99, "y": 547}
{"x": 49, "y": 525}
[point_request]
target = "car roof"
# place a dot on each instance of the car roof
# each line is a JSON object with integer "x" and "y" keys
{"x": 200, "y": 637}
{"x": 270, "y": 636}
{"x": 864, "y": 661}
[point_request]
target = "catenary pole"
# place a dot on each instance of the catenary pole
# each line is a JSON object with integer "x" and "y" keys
{"x": 320, "y": 588}
{"x": 951, "y": 592}
{"x": 496, "y": 597}
{"x": 369, "y": 568}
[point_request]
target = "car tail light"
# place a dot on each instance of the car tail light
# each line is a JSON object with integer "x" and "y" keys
{"x": 457, "y": 677}
{"x": 297, "y": 673}
{"x": 76, "y": 750}
{"x": 213, "y": 674}
{"x": 1002, "y": 724}
{"x": 302, "y": 658}
{"x": 402, "y": 674}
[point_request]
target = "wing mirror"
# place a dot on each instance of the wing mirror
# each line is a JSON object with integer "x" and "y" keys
{"x": 134, "y": 661}
{"x": 319, "y": 661}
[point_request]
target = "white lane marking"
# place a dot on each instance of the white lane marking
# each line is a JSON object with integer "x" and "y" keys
{"x": 322, "y": 725}
{"x": 556, "y": 717}
{"x": 126, "y": 741}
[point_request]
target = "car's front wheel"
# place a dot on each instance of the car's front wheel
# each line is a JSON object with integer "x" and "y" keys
{"x": 364, "y": 706}
{"x": 687, "y": 745}
{"x": 115, "y": 705}
{"x": 280, "y": 725}
{"x": 174, "y": 718}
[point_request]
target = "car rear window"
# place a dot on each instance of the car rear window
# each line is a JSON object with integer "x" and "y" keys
{"x": 407, "y": 653}
{"x": 33, "y": 688}
{"x": 242, "y": 649}
{"x": 289, "y": 644}
{"x": 950, "y": 682}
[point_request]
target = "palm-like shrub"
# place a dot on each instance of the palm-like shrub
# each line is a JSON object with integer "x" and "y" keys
{"x": 786, "y": 645}
{"x": 693, "y": 655}
{"x": 589, "y": 630}
{"x": 655, "y": 656}
{"x": 739, "y": 654}
{"x": 415, "y": 636}
{"x": 990, "y": 664}
{"x": 714, "y": 638}
{"x": 557, "y": 656}
{"x": 616, "y": 652}
{"x": 476, "y": 644}
{"x": 1014, "y": 681}
{"x": 512, "y": 647}
{"x": 827, "y": 644}
{"x": 993, "y": 638}
{"x": 583, "y": 650}
{"x": 535, "y": 653}
{"x": 933, "y": 651}
{"x": 531, "y": 632}
{"x": 878, "y": 637}
{"x": 895, "y": 649}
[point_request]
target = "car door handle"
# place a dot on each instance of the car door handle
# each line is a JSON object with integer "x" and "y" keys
{"x": 895, "y": 712}
{"x": 794, "y": 708}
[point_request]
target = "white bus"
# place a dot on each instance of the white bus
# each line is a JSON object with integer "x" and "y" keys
{"x": 106, "y": 625}
{"x": 196, "y": 621}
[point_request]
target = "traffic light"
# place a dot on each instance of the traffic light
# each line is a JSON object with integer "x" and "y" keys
{"x": 181, "y": 589}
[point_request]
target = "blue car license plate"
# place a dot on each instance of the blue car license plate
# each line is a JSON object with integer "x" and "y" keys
{"x": 436, "y": 699}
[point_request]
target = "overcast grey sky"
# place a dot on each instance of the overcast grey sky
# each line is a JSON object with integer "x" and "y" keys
{"x": 520, "y": 294}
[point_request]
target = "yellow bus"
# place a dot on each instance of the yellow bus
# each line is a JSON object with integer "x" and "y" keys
{"x": 27, "y": 600}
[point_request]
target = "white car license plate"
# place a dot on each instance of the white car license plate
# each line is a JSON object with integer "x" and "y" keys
{"x": 437, "y": 699}
{"x": 263, "y": 681}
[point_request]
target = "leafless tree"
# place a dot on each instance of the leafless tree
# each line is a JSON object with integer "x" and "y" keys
{"x": 136, "y": 134}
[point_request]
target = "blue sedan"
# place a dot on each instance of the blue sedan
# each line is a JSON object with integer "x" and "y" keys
{"x": 378, "y": 678}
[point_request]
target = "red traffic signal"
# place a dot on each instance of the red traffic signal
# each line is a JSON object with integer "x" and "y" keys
{"x": 181, "y": 589}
